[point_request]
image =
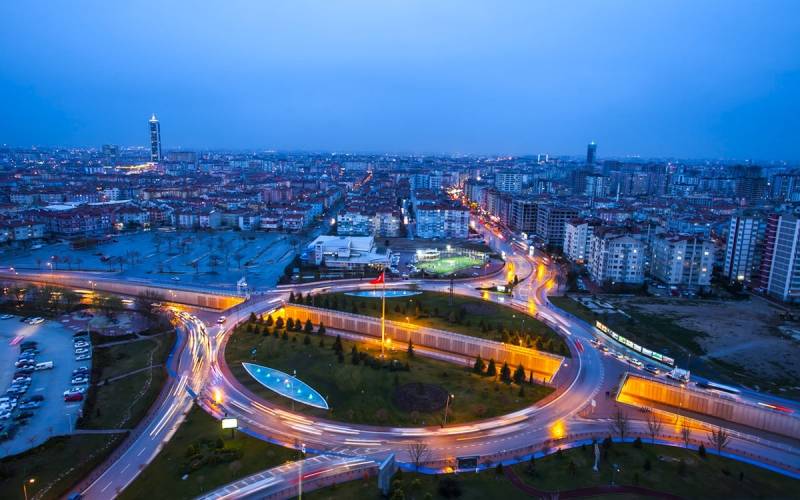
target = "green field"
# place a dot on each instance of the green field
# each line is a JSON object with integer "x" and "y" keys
{"x": 201, "y": 449}
{"x": 56, "y": 465}
{"x": 467, "y": 315}
{"x": 449, "y": 265}
{"x": 366, "y": 394}
{"x": 657, "y": 468}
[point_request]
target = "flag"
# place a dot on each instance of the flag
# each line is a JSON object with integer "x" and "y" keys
{"x": 379, "y": 280}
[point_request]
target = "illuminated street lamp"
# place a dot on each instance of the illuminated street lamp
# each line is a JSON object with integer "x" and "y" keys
{"x": 25, "y": 487}
{"x": 447, "y": 406}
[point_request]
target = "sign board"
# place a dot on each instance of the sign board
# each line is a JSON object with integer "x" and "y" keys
{"x": 385, "y": 474}
{"x": 467, "y": 462}
{"x": 230, "y": 423}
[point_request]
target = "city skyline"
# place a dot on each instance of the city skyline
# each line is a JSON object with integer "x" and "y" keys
{"x": 655, "y": 80}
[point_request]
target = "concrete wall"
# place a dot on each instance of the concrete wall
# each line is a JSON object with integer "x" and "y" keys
{"x": 208, "y": 299}
{"x": 637, "y": 389}
{"x": 544, "y": 365}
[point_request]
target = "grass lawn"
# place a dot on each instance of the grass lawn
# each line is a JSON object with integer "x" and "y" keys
{"x": 710, "y": 477}
{"x": 449, "y": 265}
{"x": 56, "y": 465}
{"x": 467, "y": 315}
{"x": 193, "y": 450}
{"x": 363, "y": 394}
{"x": 120, "y": 404}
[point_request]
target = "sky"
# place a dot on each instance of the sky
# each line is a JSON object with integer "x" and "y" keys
{"x": 653, "y": 78}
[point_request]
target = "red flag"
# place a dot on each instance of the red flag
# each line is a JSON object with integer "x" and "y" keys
{"x": 379, "y": 280}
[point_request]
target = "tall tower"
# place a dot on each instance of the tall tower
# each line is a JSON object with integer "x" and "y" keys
{"x": 155, "y": 139}
{"x": 591, "y": 153}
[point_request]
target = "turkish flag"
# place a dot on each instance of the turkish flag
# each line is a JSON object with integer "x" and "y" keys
{"x": 379, "y": 280}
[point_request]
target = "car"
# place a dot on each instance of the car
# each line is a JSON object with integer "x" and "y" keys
{"x": 81, "y": 344}
{"x": 23, "y": 372}
{"x": 6, "y": 316}
{"x": 16, "y": 390}
{"x": 73, "y": 396}
{"x": 175, "y": 278}
{"x": 24, "y": 365}
{"x": 83, "y": 357}
{"x": 635, "y": 362}
{"x": 8, "y": 406}
{"x": 44, "y": 365}
{"x": 80, "y": 380}
{"x": 26, "y": 355}
{"x": 81, "y": 350}
{"x": 32, "y": 405}
{"x": 652, "y": 369}
{"x": 28, "y": 343}
{"x": 5, "y": 415}
{"x": 75, "y": 389}
{"x": 25, "y": 319}
{"x": 37, "y": 321}
{"x": 23, "y": 415}
{"x": 21, "y": 380}
{"x": 35, "y": 397}
{"x": 222, "y": 320}
{"x": 80, "y": 369}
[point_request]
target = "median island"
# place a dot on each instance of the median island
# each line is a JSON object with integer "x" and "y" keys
{"x": 402, "y": 389}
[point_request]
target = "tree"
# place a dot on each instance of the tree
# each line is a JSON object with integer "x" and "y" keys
{"x": 619, "y": 424}
{"x": 653, "y": 426}
{"x": 519, "y": 374}
{"x": 418, "y": 451}
{"x": 309, "y": 327}
{"x": 279, "y": 323}
{"x": 719, "y": 439}
{"x": 291, "y": 297}
{"x": 686, "y": 433}
{"x": 505, "y": 373}
{"x": 289, "y": 324}
{"x": 337, "y": 344}
{"x": 491, "y": 370}
{"x": 270, "y": 320}
{"x": 479, "y": 365}
{"x": 354, "y": 355}
{"x": 321, "y": 329}
{"x": 410, "y": 349}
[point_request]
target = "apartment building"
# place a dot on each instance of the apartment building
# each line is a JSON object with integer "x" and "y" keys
{"x": 616, "y": 256}
{"x": 682, "y": 260}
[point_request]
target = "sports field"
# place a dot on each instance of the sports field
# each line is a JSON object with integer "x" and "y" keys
{"x": 449, "y": 265}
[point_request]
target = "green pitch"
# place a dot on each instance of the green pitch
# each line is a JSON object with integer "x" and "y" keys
{"x": 449, "y": 265}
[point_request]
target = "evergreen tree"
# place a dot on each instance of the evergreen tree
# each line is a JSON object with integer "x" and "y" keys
{"x": 309, "y": 300}
{"x": 279, "y": 323}
{"x": 354, "y": 355}
{"x": 505, "y": 373}
{"x": 299, "y": 298}
{"x": 270, "y": 320}
{"x": 491, "y": 370}
{"x": 410, "y": 349}
{"x": 479, "y": 365}
{"x": 337, "y": 344}
{"x": 289, "y": 324}
{"x": 519, "y": 374}
{"x": 291, "y": 297}
{"x": 321, "y": 329}
{"x": 309, "y": 328}
{"x": 252, "y": 318}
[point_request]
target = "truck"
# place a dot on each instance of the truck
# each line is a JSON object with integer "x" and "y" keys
{"x": 679, "y": 374}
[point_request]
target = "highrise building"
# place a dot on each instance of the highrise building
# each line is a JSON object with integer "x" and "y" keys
{"x": 744, "y": 247}
{"x": 682, "y": 260}
{"x": 591, "y": 153}
{"x": 784, "y": 274}
{"x": 155, "y": 139}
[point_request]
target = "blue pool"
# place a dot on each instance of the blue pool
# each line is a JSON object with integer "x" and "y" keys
{"x": 390, "y": 294}
{"x": 286, "y": 385}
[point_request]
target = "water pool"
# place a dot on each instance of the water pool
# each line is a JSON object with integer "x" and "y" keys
{"x": 376, "y": 294}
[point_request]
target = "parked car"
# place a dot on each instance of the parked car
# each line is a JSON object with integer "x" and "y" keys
{"x": 32, "y": 405}
{"x": 83, "y": 357}
{"x": 5, "y": 415}
{"x": 222, "y": 320}
{"x": 35, "y": 397}
{"x": 37, "y": 321}
{"x": 23, "y": 415}
{"x": 81, "y": 350}
{"x": 44, "y": 365}
{"x": 80, "y": 380}
{"x": 73, "y": 396}
{"x": 6, "y": 316}
{"x": 81, "y": 344}
{"x": 75, "y": 389}
{"x": 80, "y": 369}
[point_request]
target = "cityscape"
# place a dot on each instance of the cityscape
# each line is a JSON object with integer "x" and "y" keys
{"x": 239, "y": 287}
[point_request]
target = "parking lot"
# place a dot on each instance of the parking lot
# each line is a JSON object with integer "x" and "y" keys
{"x": 32, "y": 411}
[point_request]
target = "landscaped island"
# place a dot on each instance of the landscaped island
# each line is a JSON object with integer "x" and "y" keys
{"x": 405, "y": 389}
{"x": 467, "y": 315}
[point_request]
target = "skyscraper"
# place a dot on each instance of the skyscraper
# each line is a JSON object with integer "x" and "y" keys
{"x": 591, "y": 153}
{"x": 155, "y": 139}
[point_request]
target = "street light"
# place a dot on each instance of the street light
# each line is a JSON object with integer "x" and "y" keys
{"x": 446, "y": 406}
{"x": 25, "y": 487}
{"x": 614, "y": 468}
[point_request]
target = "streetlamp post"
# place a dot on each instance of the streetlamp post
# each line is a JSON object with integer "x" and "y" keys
{"x": 447, "y": 406}
{"x": 25, "y": 487}
{"x": 300, "y": 476}
{"x": 614, "y": 468}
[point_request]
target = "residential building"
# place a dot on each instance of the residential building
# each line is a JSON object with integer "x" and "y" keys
{"x": 744, "y": 248}
{"x": 682, "y": 260}
{"x": 616, "y": 257}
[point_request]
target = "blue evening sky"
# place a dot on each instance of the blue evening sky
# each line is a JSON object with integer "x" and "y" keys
{"x": 695, "y": 78}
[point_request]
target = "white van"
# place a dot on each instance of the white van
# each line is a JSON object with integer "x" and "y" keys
{"x": 45, "y": 365}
